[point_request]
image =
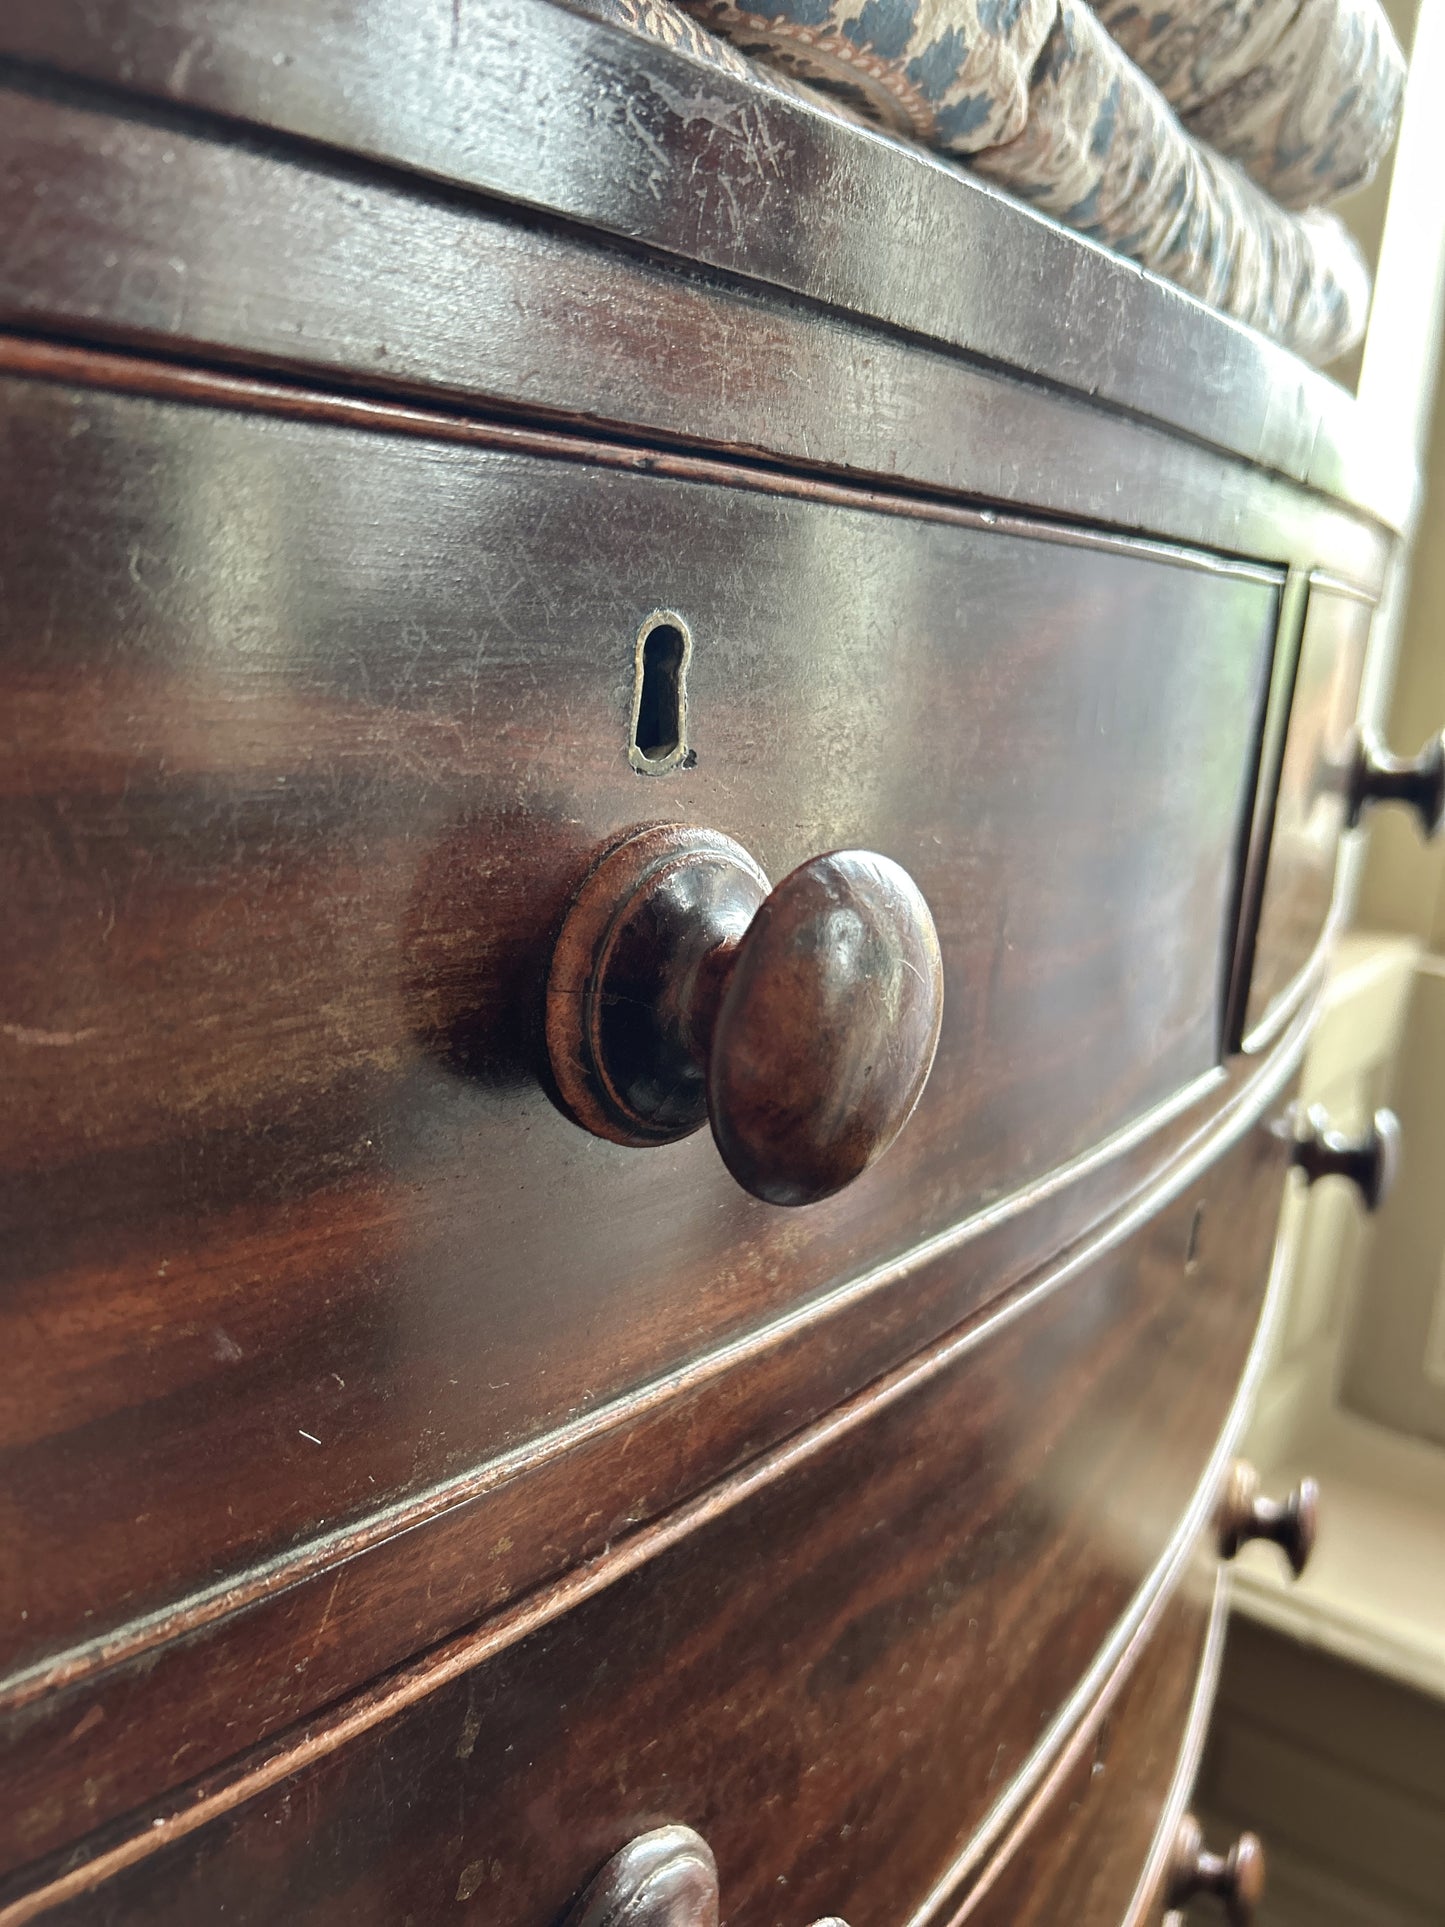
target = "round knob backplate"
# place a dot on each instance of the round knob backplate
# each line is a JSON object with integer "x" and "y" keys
{"x": 666, "y": 1878}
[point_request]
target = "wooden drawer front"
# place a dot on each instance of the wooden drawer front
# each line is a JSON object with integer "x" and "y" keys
{"x": 1309, "y": 815}
{"x": 1091, "y": 1836}
{"x": 313, "y": 734}
{"x": 833, "y": 1676}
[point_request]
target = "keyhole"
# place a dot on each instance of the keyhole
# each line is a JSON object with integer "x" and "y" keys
{"x": 659, "y": 701}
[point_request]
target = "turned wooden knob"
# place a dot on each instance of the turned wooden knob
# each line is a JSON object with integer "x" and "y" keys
{"x": 800, "y": 1021}
{"x": 1416, "y": 781}
{"x": 666, "y": 1878}
{"x": 1244, "y": 1514}
{"x": 1236, "y": 1878}
{"x": 1370, "y": 1161}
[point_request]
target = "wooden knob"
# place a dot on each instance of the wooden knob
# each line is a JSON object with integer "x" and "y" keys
{"x": 1370, "y": 1161}
{"x": 1236, "y": 1878}
{"x": 800, "y": 1021}
{"x": 666, "y": 1878}
{"x": 1416, "y": 781}
{"x": 1244, "y": 1514}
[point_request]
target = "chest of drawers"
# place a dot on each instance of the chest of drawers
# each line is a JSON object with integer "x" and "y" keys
{"x": 414, "y": 1494}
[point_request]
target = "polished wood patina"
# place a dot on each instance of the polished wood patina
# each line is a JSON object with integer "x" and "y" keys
{"x": 800, "y": 1021}
{"x": 484, "y": 497}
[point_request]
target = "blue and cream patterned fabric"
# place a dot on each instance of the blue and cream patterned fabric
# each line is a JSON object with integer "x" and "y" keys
{"x": 1138, "y": 125}
{"x": 1303, "y": 94}
{"x": 1103, "y": 151}
{"x": 955, "y": 77}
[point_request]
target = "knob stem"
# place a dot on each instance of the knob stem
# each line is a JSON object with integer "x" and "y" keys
{"x": 1236, "y": 1878}
{"x": 1371, "y": 1161}
{"x": 704, "y": 997}
{"x": 1378, "y": 776}
{"x": 1292, "y": 1524}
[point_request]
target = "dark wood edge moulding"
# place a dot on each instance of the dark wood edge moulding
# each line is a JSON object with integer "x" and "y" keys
{"x": 1166, "y": 363}
{"x": 1289, "y": 642}
{"x": 347, "y": 1597}
{"x": 221, "y": 1610}
{"x": 465, "y": 309}
{"x": 131, "y": 374}
{"x": 946, "y": 1906}
{"x": 1157, "y": 1868}
{"x": 535, "y": 107}
{"x": 1194, "y": 1120}
{"x": 1254, "y": 863}
{"x": 1031, "y": 1787}
{"x": 77, "y": 1869}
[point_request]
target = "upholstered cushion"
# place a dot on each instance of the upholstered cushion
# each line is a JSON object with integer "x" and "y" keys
{"x": 1103, "y": 151}
{"x": 953, "y": 74}
{"x": 1037, "y": 96}
{"x": 1303, "y": 94}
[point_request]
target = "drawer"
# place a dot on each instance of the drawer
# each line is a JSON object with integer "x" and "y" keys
{"x": 313, "y": 735}
{"x": 1086, "y": 1849}
{"x": 833, "y": 1666}
{"x": 1296, "y": 884}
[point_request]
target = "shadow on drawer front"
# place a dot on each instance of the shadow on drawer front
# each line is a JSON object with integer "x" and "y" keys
{"x": 314, "y": 735}
{"x": 833, "y": 1676}
{"x": 1078, "y": 1859}
{"x": 1296, "y": 853}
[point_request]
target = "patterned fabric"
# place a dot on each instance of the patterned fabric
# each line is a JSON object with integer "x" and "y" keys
{"x": 955, "y": 77}
{"x": 1104, "y": 153}
{"x": 1038, "y": 97}
{"x": 660, "y": 20}
{"x": 1304, "y": 94}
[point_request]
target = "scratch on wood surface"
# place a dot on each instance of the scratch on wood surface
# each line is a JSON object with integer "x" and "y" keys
{"x": 92, "y": 1719}
{"x": 330, "y": 1598}
{"x": 27, "y": 1034}
{"x": 471, "y": 1729}
{"x": 181, "y": 71}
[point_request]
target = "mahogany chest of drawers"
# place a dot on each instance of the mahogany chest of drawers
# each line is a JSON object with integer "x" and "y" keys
{"x": 565, "y": 684}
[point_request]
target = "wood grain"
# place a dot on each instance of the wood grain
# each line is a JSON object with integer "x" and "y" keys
{"x": 347, "y": 274}
{"x": 619, "y": 135}
{"x": 177, "y": 1694}
{"x": 410, "y": 1500}
{"x": 833, "y": 1679}
{"x": 312, "y": 736}
{"x": 1076, "y": 1857}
